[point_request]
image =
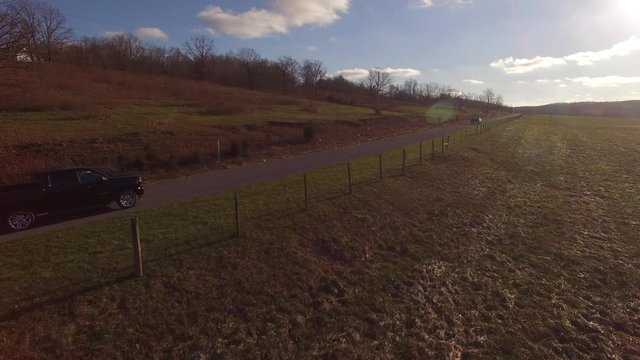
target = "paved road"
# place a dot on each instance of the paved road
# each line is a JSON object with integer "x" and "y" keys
{"x": 165, "y": 192}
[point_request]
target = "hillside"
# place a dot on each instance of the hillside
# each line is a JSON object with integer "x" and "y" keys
{"x": 521, "y": 242}
{"x": 617, "y": 109}
{"x": 56, "y": 115}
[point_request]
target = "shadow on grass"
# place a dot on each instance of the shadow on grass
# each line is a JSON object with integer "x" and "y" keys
{"x": 60, "y": 295}
{"x": 187, "y": 248}
{"x": 273, "y": 215}
{"x": 19, "y": 311}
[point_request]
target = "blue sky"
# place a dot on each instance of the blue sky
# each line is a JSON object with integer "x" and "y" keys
{"x": 531, "y": 52}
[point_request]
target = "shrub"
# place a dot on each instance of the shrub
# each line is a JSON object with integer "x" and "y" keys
{"x": 310, "y": 108}
{"x": 339, "y": 100}
{"x": 308, "y": 132}
{"x": 226, "y": 108}
{"x": 238, "y": 148}
{"x": 192, "y": 159}
{"x": 234, "y": 150}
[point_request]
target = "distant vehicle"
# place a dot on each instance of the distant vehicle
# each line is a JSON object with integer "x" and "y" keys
{"x": 64, "y": 190}
{"x": 476, "y": 120}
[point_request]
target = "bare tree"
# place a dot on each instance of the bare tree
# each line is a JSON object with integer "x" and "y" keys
{"x": 29, "y": 25}
{"x": 123, "y": 50}
{"x": 176, "y": 62}
{"x": 488, "y": 96}
{"x": 200, "y": 49}
{"x": 377, "y": 82}
{"x": 289, "y": 72}
{"x": 411, "y": 89}
{"x": 430, "y": 91}
{"x": 11, "y": 35}
{"x": 312, "y": 72}
{"x": 44, "y": 27}
{"x": 249, "y": 59}
{"x": 53, "y": 32}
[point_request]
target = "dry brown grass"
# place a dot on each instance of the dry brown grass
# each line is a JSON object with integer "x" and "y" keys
{"x": 54, "y": 115}
{"x": 50, "y": 87}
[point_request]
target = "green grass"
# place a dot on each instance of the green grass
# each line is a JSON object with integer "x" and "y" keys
{"x": 101, "y": 252}
{"x": 121, "y": 120}
{"x": 436, "y": 113}
{"x": 520, "y": 242}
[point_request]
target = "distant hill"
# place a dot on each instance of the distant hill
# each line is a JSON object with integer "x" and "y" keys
{"x": 615, "y": 109}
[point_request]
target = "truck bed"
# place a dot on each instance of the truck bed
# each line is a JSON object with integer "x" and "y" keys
{"x": 11, "y": 195}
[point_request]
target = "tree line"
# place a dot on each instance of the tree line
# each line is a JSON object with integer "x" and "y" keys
{"x": 32, "y": 31}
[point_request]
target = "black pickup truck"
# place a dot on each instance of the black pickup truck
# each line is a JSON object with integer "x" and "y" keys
{"x": 64, "y": 190}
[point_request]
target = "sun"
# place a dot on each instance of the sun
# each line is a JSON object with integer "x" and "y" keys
{"x": 630, "y": 7}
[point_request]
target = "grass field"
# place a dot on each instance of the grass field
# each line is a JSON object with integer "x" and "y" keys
{"x": 521, "y": 242}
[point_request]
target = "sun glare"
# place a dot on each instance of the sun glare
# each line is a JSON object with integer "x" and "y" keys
{"x": 630, "y": 7}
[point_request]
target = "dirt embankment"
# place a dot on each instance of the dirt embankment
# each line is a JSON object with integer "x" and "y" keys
{"x": 158, "y": 150}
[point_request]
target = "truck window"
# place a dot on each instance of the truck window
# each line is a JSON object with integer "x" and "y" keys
{"x": 63, "y": 179}
{"x": 89, "y": 177}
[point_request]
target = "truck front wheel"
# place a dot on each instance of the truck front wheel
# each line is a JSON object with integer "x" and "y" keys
{"x": 127, "y": 199}
{"x": 20, "y": 220}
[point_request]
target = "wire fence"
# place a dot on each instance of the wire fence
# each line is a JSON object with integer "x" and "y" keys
{"x": 47, "y": 268}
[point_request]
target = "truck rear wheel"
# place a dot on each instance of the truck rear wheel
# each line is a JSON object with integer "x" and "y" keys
{"x": 127, "y": 199}
{"x": 20, "y": 220}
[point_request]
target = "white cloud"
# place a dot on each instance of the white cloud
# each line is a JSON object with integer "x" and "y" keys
{"x": 521, "y": 66}
{"x": 620, "y": 49}
{"x": 424, "y": 3}
{"x": 151, "y": 33}
{"x": 431, "y": 3}
{"x": 354, "y": 74}
{"x": 474, "y": 82}
{"x": 312, "y": 48}
{"x": 605, "y": 81}
{"x": 112, "y": 33}
{"x": 512, "y": 65}
{"x": 359, "y": 73}
{"x": 401, "y": 72}
{"x": 278, "y": 19}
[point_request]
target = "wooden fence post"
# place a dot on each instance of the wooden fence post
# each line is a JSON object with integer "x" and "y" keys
{"x": 404, "y": 161}
{"x": 137, "y": 249}
{"x": 433, "y": 149}
{"x": 380, "y": 161}
{"x": 448, "y": 141}
{"x": 306, "y": 193}
{"x": 219, "y": 155}
{"x": 421, "y": 153}
{"x": 350, "y": 183}
{"x": 442, "y": 145}
{"x": 237, "y": 216}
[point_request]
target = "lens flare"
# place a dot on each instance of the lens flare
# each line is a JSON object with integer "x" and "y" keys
{"x": 630, "y": 7}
